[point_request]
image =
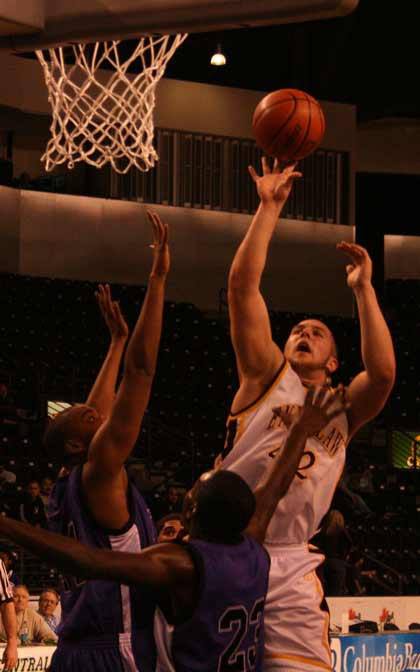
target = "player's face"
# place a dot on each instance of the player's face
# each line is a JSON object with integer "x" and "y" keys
{"x": 190, "y": 499}
{"x": 311, "y": 346}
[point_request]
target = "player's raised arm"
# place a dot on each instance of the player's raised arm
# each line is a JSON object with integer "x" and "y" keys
{"x": 114, "y": 441}
{"x": 370, "y": 389}
{"x": 102, "y": 394}
{"x": 160, "y": 566}
{"x": 257, "y": 356}
{"x": 320, "y": 407}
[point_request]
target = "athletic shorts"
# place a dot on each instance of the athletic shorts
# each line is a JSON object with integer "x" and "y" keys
{"x": 94, "y": 655}
{"x": 296, "y": 614}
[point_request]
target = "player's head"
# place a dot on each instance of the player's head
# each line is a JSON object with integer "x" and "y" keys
{"x": 311, "y": 348}
{"x": 219, "y": 507}
{"x": 170, "y": 528}
{"x": 68, "y": 435}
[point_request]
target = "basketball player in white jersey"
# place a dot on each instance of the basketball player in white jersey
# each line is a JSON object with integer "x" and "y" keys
{"x": 272, "y": 387}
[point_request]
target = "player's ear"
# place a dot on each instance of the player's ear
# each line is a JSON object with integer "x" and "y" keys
{"x": 332, "y": 364}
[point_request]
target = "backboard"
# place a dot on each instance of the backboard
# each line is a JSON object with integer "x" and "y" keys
{"x": 35, "y": 24}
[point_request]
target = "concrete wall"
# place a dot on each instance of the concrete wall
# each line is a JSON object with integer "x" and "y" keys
{"x": 96, "y": 239}
{"x": 402, "y": 257}
{"x": 389, "y": 146}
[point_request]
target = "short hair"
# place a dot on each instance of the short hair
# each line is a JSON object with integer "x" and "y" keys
{"x": 56, "y": 434}
{"x": 169, "y": 516}
{"x": 225, "y": 505}
{"x": 21, "y": 585}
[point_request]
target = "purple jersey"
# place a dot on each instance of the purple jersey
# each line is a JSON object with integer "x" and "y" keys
{"x": 225, "y": 631}
{"x": 104, "y": 611}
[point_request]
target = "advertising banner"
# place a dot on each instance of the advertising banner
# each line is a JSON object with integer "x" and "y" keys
{"x": 376, "y": 653}
{"x": 32, "y": 658}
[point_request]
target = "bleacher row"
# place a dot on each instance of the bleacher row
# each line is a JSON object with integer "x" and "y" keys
{"x": 52, "y": 341}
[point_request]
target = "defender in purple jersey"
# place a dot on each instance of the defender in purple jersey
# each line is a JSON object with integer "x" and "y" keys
{"x": 106, "y": 625}
{"x": 211, "y": 590}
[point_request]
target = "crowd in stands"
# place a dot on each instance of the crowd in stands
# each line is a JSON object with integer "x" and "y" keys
{"x": 371, "y": 537}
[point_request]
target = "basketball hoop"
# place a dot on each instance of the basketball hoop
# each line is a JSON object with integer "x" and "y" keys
{"x": 100, "y": 113}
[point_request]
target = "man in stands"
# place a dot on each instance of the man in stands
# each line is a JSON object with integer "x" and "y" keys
{"x": 212, "y": 589}
{"x": 32, "y": 509}
{"x": 47, "y": 485}
{"x": 31, "y": 627}
{"x": 48, "y": 603}
{"x": 106, "y": 625}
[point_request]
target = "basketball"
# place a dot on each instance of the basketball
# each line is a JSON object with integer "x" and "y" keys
{"x": 288, "y": 124}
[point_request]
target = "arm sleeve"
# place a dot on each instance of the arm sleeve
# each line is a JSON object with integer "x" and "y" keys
{"x": 6, "y": 594}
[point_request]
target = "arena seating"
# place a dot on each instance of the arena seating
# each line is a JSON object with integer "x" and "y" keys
{"x": 52, "y": 341}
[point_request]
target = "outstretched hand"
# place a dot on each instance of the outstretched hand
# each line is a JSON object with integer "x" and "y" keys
{"x": 161, "y": 257}
{"x": 359, "y": 271}
{"x": 274, "y": 185}
{"x": 111, "y": 312}
{"x": 321, "y": 406}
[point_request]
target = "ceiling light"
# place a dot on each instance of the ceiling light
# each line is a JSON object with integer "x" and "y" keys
{"x": 218, "y": 58}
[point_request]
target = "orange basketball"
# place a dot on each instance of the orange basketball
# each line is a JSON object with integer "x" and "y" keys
{"x": 288, "y": 124}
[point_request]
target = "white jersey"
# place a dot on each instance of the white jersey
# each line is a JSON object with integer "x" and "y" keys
{"x": 257, "y": 434}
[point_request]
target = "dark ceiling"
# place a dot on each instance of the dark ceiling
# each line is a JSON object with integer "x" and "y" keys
{"x": 369, "y": 58}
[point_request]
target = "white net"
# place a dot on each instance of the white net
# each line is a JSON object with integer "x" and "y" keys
{"x": 100, "y": 112}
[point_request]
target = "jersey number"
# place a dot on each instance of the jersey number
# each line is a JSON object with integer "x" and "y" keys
{"x": 307, "y": 461}
{"x": 237, "y": 620}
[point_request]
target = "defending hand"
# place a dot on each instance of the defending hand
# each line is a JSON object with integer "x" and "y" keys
{"x": 320, "y": 407}
{"x": 161, "y": 257}
{"x": 359, "y": 271}
{"x": 112, "y": 314}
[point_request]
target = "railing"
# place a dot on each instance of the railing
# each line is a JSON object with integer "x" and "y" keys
{"x": 200, "y": 170}
{"x": 393, "y": 572}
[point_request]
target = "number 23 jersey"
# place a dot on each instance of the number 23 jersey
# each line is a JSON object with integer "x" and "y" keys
{"x": 256, "y": 436}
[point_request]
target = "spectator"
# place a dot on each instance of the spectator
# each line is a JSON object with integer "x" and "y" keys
{"x": 9, "y": 559}
{"x": 48, "y": 602}
{"x": 335, "y": 543}
{"x": 366, "y": 481}
{"x": 171, "y": 503}
{"x": 32, "y": 509}
{"x": 356, "y": 502}
{"x": 31, "y": 627}
{"x": 6, "y": 476}
{"x": 170, "y": 528}
{"x": 47, "y": 485}
{"x": 8, "y": 629}
{"x": 357, "y": 573}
